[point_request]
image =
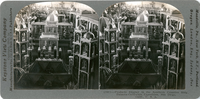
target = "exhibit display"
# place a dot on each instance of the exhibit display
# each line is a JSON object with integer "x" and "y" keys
{"x": 52, "y": 51}
{"x": 142, "y": 46}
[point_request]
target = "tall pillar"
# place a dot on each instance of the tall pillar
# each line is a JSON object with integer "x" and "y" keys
{"x": 39, "y": 52}
{"x": 166, "y": 23}
{"x": 114, "y": 67}
{"x": 119, "y": 54}
{"x": 144, "y": 52}
{"x": 60, "y": 52}
{"x": 55, "y": 52}
{"x": 25, "y": 61}
{"x": 71, "y": 61}
{"x": 76, "y": 24}
{"x": 29, "y": 53}
{"x": 159, "y": 71}
{"x": 149, "y": 53}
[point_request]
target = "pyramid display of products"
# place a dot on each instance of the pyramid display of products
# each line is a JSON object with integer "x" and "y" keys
{"x": 136, "y": 67}
{"x": 135, "y": 53}
{"x": 45, "y": 50}
{"x": 66, "y": 45}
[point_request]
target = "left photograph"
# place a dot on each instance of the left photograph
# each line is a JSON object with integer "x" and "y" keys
{"x": 56, "y": 46}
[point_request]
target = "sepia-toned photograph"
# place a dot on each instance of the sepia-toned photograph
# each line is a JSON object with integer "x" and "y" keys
{"x": 142, "y": 46}
{"x": 56, "y": 46}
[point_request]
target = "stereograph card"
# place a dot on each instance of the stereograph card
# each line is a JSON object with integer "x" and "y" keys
{"x": 96, "y": 49}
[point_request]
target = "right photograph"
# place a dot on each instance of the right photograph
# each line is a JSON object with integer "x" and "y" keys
{"x": 141, "y": 46}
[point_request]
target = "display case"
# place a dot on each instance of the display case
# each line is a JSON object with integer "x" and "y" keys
{"x": 101, "y": 46}
{"x": 110, "y": 45}
{"x": 85, "y": 52}
{"x": 36, "y": 29}
{"x": 49, "y": 40}
{"x": 76, "y": 68}
{"x": 21, "y": 46}
{"x": 73, "y": 15}
{"x": 65, "y": 30}
{"x": 174, "y": 51}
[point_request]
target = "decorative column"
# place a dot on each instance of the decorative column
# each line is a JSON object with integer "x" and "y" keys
{"x": 71, "y": 61}
{"x": 25, "y": 61}
{"x": 31, "y": 57}
{"x": 149, "y": 53}
{"x": 159, "y": 71}
{"x": 128, "y": 52}
{"x": 133, "y": 51}
{"x": 144, "y": 52}
{"x": 166, "y": 23}
{"x": 39, "y": 52}
{"x": 31, "y": 50}
{"x": 43, "y": 54}
{"x": 61, "y": 31}
{"x": 60, "y": 52}
{"x": 114, "y": 67}
{"x": 28, "y": 64}
{"x": 49, "y": 50}
{"x": 29, "y": 53}
{"x": 76, "y": 24}
{"x": 119, "y": 54}
{"x": 55, "y": 52}
{"x": 139, "y": 51}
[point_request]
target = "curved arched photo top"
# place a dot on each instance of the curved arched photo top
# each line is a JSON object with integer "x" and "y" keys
{"x": 48, "y": 39}
{"x": 142, "y": 46}
{"x": 39, "y": 12}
